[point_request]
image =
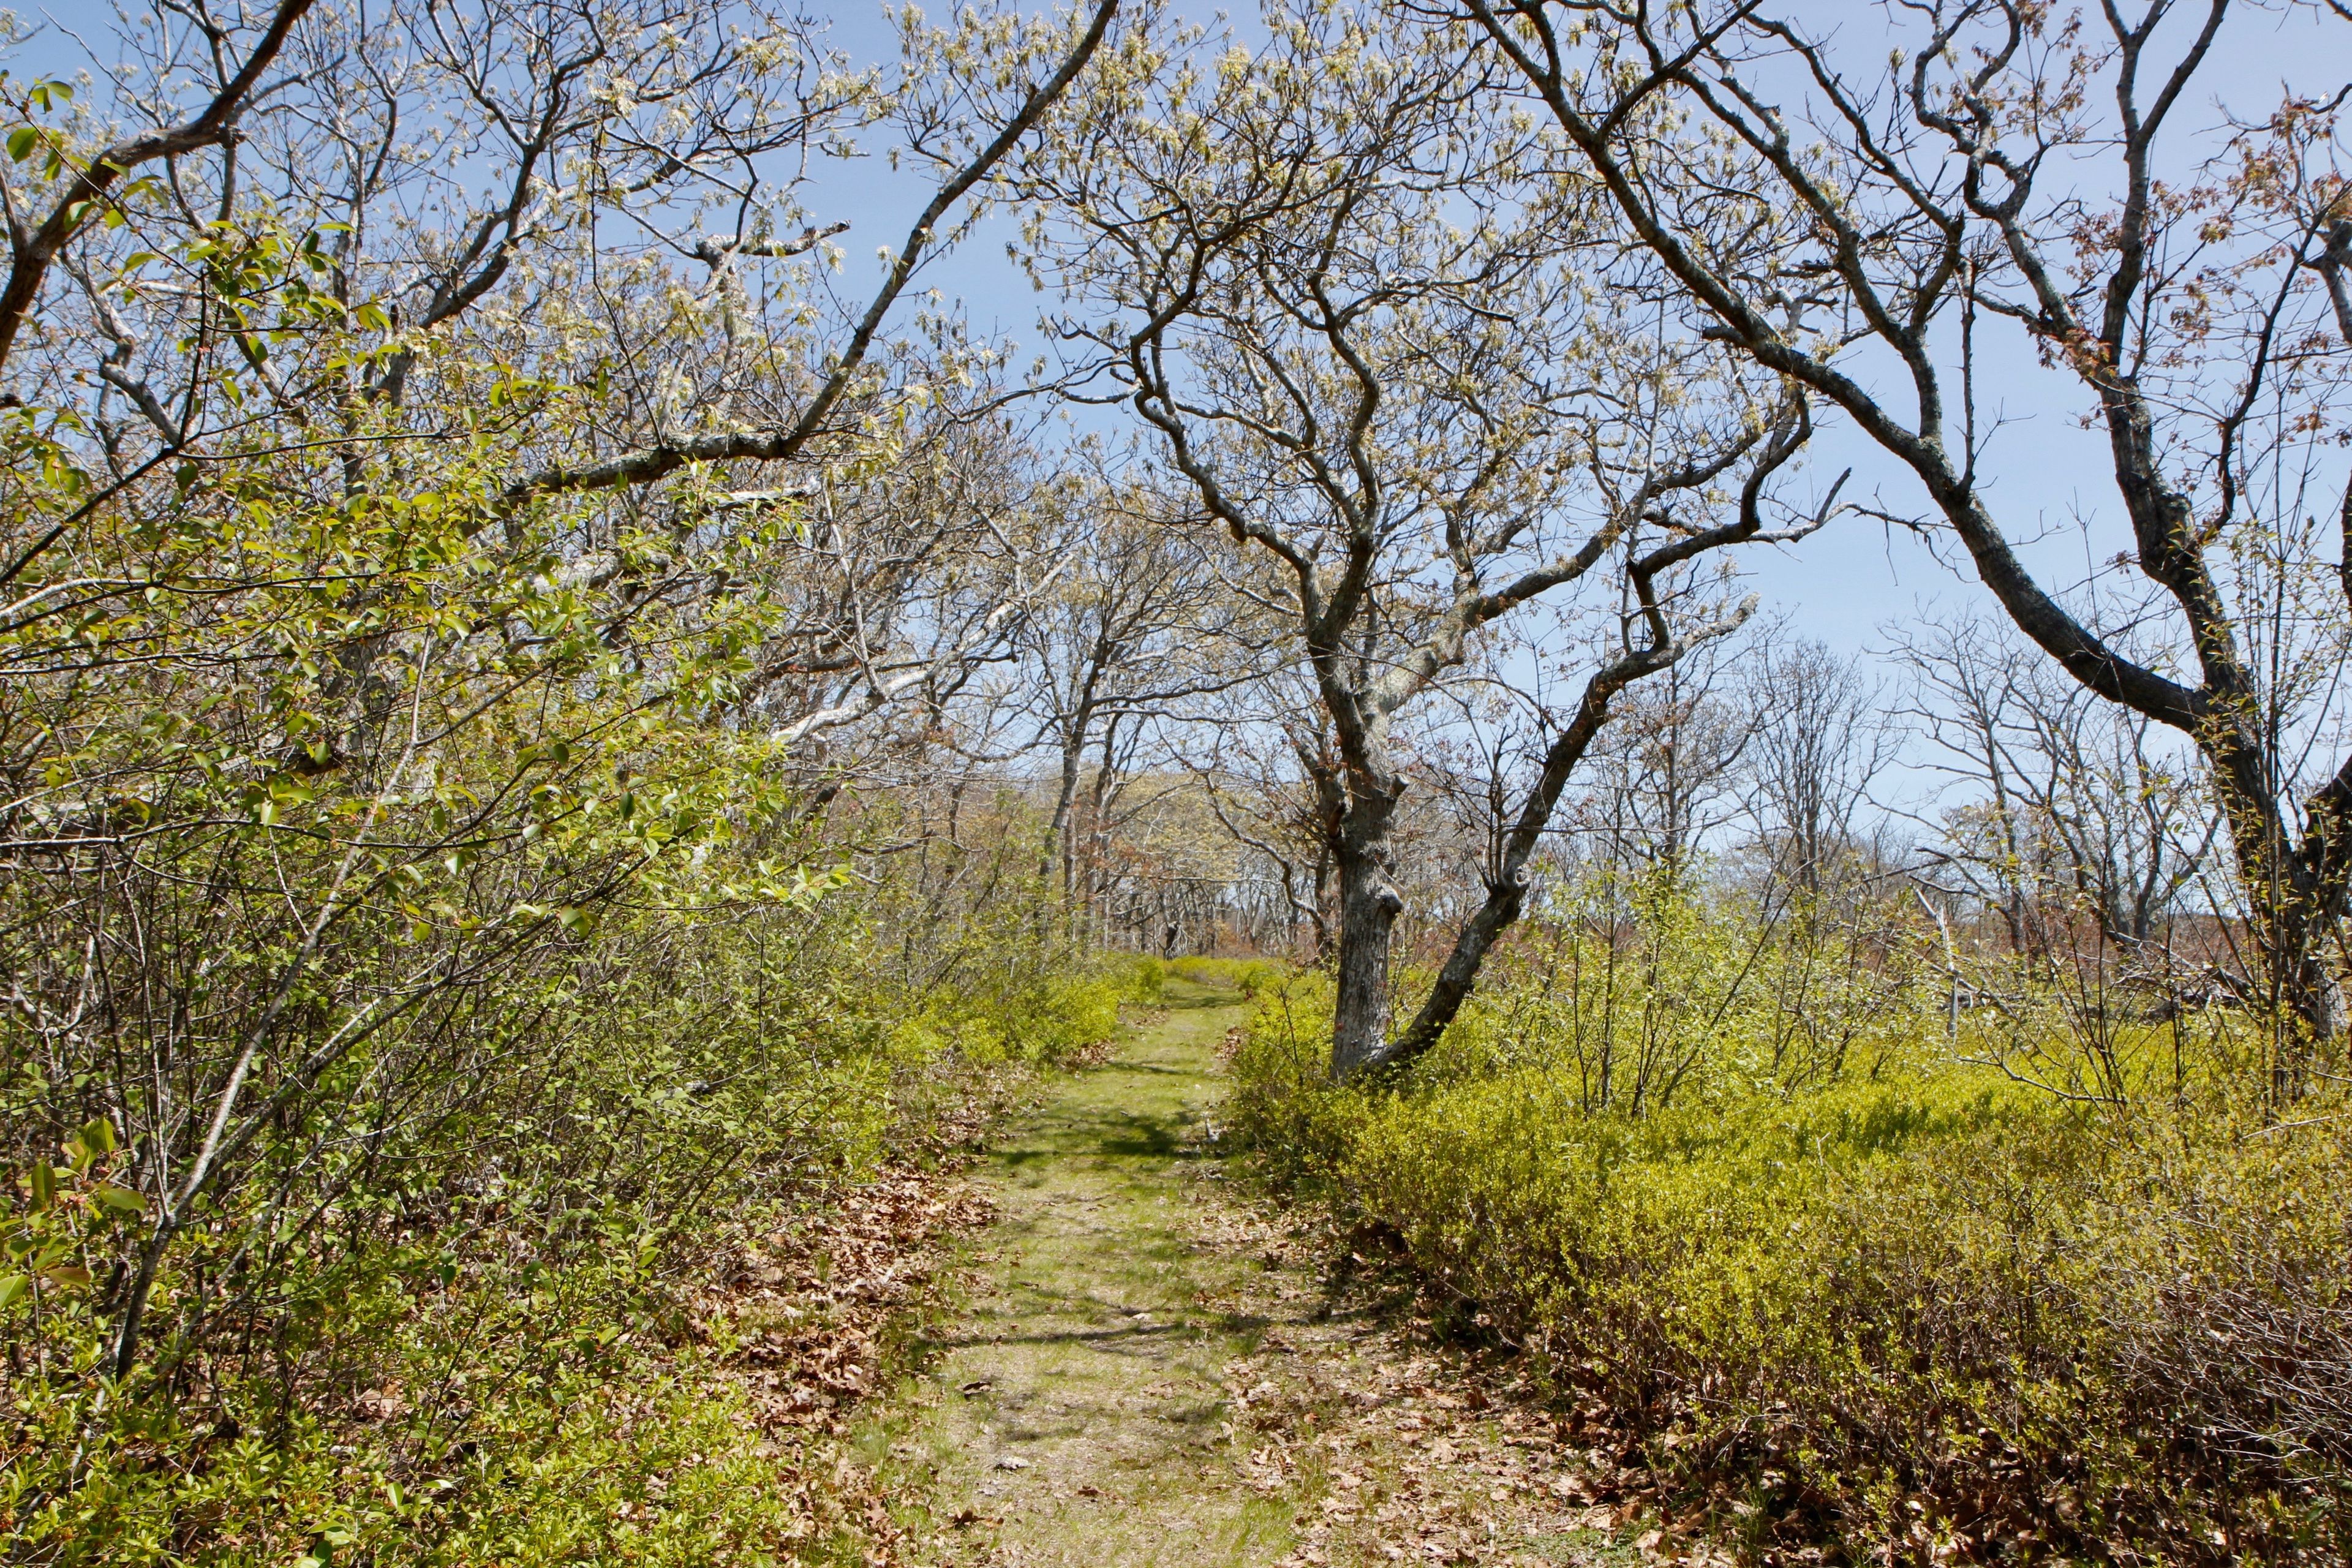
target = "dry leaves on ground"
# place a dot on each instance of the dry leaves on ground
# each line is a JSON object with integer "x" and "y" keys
{"x": 802, "y": 1320}
{"x": 1404, "y": 1448}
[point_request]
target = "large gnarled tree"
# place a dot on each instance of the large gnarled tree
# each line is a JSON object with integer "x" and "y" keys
{"x": 1397, "y": 362}
{"x": 2022, "y": 195}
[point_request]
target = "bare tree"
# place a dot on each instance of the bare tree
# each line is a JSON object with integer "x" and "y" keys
{"x": 1348, "y": 300}
{"x": 1887, "y": 235}
{"x": 2069, "y": 801}
{"x": 1125, "y": 631}
{"x": 1270, "y": 775}
{"x": 1820, "y": 742}
{"x": 1674, "y": 769}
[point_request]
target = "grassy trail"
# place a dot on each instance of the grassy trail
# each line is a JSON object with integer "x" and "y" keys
{"x": 1146, "y": 1373}
{"x": 1079, "y": 1400}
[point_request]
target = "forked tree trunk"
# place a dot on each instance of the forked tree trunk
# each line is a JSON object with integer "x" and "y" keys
{"x": 1506, "y": 889}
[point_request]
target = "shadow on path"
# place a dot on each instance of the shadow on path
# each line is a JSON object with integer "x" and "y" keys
{"x": 1074, "y": 1413}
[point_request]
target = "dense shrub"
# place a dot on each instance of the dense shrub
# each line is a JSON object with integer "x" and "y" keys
{"x": 1907, "y": 1303}
{"x": 1147, "y": 979}
{"x": 441, "y": 1316}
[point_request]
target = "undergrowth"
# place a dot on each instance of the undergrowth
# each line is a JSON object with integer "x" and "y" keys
{"x": 1902, "y": 1301}
{"x": 466, "y": 1332}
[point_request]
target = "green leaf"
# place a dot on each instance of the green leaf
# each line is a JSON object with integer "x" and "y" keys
{"x": 98, "y": 1132}
{"x": 11, "y": 1286}
{"x": 71, "y": 1276}
{"x": 21, "y": 142}
{"x": 45, "y": 1184}
{"x": 121, "y": 1199}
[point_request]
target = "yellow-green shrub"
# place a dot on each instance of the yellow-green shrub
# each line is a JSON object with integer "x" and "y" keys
{"x": 1147, "y": 979}
{"x": 1302, "y": 1126}
{"x": 1042, "y": 1018}
{"x": 1907, "y": 1303}
{"x": 458, "y": 1338}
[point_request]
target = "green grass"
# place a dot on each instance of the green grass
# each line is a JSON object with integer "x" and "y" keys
{"x": 1128, "y": 1296}
{"x": 1085, "y": 1354}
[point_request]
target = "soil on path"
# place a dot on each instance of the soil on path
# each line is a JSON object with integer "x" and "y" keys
{"x": 1150, "y": 1370}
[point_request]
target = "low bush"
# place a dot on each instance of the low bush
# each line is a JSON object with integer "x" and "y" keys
{"x": 1912, "y": 1307}
{"x": 1147, "y": 980}
{"x": 496, "y": 1416}
{"x": 1039, "y": 1019}
{"x": 446, "y": 1314}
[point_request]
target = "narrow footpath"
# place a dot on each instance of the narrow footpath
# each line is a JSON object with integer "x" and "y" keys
{"x": 1149, "y": 1370}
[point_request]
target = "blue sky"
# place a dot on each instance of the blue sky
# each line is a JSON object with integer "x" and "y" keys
{"x": 2053, "y": 486}
{"x": 1842, "y": 585}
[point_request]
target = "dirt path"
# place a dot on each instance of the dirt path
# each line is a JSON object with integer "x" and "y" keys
{"x": 1149, "y": 1370}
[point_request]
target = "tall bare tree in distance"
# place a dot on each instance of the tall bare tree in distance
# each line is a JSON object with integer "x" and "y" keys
{"x": 2068, "y": 800}
{"x": 1819, "y": 742}
{"x": 1129, "y": 628}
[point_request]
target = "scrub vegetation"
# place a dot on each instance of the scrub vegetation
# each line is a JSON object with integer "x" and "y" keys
{"x": 1838, "y": 1276}
{"x": 619, "y": 782}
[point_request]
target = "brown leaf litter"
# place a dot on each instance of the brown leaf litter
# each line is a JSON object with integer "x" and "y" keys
{"x": 1405, "y": 1448}
{"x": 805, "y": 1319}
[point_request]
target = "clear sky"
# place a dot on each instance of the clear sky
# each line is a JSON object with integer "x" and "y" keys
{"x": 1844, "y": 585}
{"x": 2053, "y": 481}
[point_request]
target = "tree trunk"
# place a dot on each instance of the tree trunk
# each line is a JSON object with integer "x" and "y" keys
{"x": 2292, "y": 928}
{"x": 1504, "y": 899}
{"x": 1507, "y": 889}
{"x": 1097, "y": 840}
{"x": 1369, "y": 907}
{"x": 1322, "y": 918}
{"x": 1059, "y": 863}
